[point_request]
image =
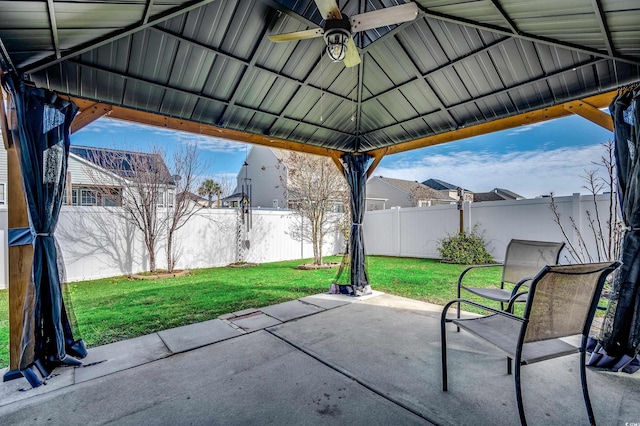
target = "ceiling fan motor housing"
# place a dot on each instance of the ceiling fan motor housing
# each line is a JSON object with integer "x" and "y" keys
{"x": 336, "y": 34}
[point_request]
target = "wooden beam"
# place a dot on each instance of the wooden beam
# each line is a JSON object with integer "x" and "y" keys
{"x": 88, "y": 115}
{"x": 338, "y": 163}
{"x": 377, "y": 157}
{"x": 591, "y": 113}
{"x": 157, "y": 120}
{"x": 544, "y": 114}
{"x": 4, "y": 124}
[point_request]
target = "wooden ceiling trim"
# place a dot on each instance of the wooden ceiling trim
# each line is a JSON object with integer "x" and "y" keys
{"x": 544, "y": 114}
{"x": 591, "y": 113}
{"x": 157, "y": 120}
{"x": 88, "y": 114}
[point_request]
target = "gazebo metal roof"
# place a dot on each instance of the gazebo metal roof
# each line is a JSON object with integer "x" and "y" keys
{"x": 209, "y": 67}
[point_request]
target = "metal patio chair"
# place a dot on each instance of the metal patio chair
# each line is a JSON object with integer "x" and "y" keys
{"x": 522, "y": 261}
{"x": 562, "y": 301}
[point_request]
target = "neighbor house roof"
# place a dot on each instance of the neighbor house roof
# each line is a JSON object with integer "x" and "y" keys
{"x": 414, "y": 188}
{"x": 440, "y": 185}
{"x": 124, "y": 163}
{"x": 497, "y": 194}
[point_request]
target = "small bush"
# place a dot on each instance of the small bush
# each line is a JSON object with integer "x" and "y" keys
{"x": 465, "y": 249}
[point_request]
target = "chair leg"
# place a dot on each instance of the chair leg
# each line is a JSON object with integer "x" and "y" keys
{"x": 509, "y": 371}
{"x": 585, "y": 389}
{"x": 523, "y": 420}
{"x": 443, "y": 350}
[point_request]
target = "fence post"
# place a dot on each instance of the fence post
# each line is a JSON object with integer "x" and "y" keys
{"x": 397, "y": 225}
{"x": 466, "y": 205}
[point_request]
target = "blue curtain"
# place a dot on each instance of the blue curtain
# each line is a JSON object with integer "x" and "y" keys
{"x": 620, "y": 339}
{"x": 41, "y": 138}
{"x": 353, "y": 264}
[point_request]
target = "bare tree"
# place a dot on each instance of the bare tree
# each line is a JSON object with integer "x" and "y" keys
{"x": 144, "y": 189}
{"x": 187, "y": 169}
{"x": 315, "y": 190}
{"x": 607, "y": 232}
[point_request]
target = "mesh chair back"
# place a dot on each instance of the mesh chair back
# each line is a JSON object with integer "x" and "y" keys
{"x": 526, "y": 258}
{"x": 563, "y": 299}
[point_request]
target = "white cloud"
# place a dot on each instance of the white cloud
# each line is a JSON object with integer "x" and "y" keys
{"x": 530, "y": 173}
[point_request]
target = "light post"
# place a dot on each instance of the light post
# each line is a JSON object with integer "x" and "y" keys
{"x": 460, "y": 209}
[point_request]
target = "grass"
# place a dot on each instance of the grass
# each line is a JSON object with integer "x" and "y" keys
{"x": 114, "y": 309}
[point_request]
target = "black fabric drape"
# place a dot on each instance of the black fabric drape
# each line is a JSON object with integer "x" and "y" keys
{"x": 353, "y": 264}
{"x": 622, "y": 336}
{"x": 41, "y": 137}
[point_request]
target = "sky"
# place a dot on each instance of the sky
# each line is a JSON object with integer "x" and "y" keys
{"x": 531, "y": 160}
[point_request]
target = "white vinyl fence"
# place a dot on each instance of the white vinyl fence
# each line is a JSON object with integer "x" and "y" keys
{"x": 96, "y": 242}
{"x": 416, "y": 232}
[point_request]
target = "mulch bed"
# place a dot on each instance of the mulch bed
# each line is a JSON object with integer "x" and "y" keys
{"x": 160, "y": 275}
{"x": 312, "y": 267}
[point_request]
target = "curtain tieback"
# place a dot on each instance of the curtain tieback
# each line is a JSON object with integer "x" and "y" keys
{"x": 356, "y": 224}
{"x": 44, "y": 234}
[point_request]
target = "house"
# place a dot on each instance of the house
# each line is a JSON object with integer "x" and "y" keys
{"x": 97, "y": 176}
{"x": 266, "y": 179}
{"x": 262, "y": 178}
{"x": 387, "y": 192}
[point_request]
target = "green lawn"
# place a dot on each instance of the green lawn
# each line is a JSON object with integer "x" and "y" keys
{"x": 113, "y": 309}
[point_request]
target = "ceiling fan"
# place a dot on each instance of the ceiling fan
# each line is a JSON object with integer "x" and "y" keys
{"x": 338, "y": 28}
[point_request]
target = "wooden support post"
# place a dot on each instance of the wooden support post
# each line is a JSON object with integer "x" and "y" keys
{"x": 20, "y": 257}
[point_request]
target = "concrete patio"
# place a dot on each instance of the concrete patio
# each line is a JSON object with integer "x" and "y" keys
{"x": 322, "y": 359}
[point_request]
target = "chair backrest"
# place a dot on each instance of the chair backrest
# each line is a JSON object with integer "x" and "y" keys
{"x": 526, "y": 258}
{"x": 563, "y": 299}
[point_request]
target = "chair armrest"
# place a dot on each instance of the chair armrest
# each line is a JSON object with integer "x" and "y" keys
{"x": 519, "y": 284}
{"x": 477, "y": 305}
{"x": 514, "y": 299}
{"x": 489, "y": 265}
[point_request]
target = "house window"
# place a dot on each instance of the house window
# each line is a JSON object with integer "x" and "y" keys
{"x": 88, "y": 197}
{"x": 171, "y": 196}
{"x": 3, "y": 197}
{"x": 74, "y": 197}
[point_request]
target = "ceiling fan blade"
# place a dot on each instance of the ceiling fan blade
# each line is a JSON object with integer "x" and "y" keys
{"x": 384, "y": 17}
{"x": 352, "y": 58}
{"x": 298, "y": 35}
{"x": 328, "y": 9}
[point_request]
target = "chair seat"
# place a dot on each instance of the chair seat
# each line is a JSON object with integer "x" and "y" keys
{"x": 497, "y": 294}
{"x": 503, "y": 332}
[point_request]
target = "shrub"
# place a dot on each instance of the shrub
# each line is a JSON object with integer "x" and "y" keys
{"x": 466, "y": 249}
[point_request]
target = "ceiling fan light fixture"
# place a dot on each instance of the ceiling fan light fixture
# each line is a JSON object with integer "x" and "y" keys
{"x": 337, "y": 39}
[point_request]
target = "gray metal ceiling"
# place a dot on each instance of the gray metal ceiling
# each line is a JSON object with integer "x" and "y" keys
{"x": 459, "y": 63}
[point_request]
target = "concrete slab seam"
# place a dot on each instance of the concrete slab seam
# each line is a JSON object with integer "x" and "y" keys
{"x": 349, "y": 375}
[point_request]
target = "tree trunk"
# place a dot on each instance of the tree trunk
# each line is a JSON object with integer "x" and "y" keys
{"x": 170, "y": 259}
{"x": 152, "y": 260}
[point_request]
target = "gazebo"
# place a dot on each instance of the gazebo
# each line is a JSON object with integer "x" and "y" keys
{"x": 453, "y": 70}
